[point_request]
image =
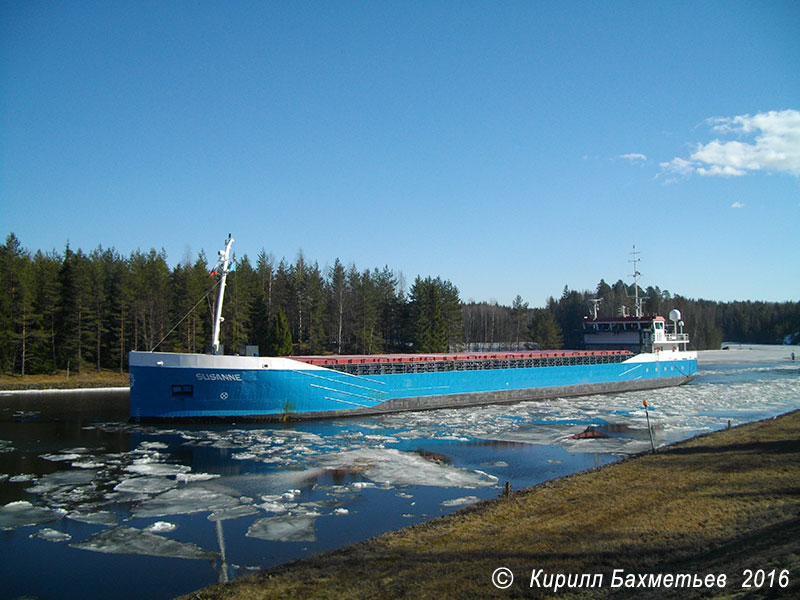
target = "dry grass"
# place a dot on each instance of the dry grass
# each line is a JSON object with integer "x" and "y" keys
{"x": 719, "y": 503}
{"x": 87, "y": 379}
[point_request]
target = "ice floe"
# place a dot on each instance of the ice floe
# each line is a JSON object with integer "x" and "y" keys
{"x": 397, "y": 468}
{"x": 60, "y": 457}
{"x": 161, "y": 527}
{"x": 51, "y": 535}
{"x": 463, "y": 501}
{"x": 129, "y": 540}
{"x": 189, "y": 477}
{"x": 145, "y": 485}
{"x": 184, "y": 501}
{"x": 233, "y": 512}
{"x": 285, "y": 528}
{"x": 97, "y": 517}
{"x": 160, "y": 469}
{"x": 23, "y": 514}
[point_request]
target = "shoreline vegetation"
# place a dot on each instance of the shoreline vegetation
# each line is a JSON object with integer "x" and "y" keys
{"x": 62, "y": 381}
{"x": 87, "y": 310}
{"x": 718, "y": 504}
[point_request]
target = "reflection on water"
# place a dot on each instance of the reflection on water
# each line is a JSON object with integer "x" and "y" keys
{"x": 160, "y": 511}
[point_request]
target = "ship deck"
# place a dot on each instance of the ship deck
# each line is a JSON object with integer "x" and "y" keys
{"x": 363, "y": 359}
{"x": 462, "y": 361}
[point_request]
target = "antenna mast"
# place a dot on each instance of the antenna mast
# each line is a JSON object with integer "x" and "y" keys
{"x": 595, "y": 303}
{"x": 636, "y": 302}
{"x": 224, "y": 260}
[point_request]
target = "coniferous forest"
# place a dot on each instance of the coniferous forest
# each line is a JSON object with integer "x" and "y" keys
{"x": 84, "y": 311}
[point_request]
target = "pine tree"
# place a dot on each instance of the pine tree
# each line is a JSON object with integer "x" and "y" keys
{"x": 544, "y": 331}
{"x": 280, "y": 340}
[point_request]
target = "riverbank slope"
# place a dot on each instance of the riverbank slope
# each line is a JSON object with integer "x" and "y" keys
{"x": 717, "y": 504}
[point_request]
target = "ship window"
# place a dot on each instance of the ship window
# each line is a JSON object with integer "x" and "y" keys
{"x": 659, "y": 325}
{"x": 182, "y": 390}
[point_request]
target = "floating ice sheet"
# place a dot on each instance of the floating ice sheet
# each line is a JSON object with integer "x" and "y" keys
{"x": 284, "y": 528}
{"x": 189, "y": 477}
{"x": 128, "y": 540}
{"x": 23, "y": 514}
{"x": 161, "y": 527}
{"x": 62, "y": 480}
{"x": 184, "y": 501}
{"x": 60, "y": 457}
{"x": 51, "y": 535}
{"x": 100, "y": 517}
{"x": 463, "y": 501}
{"x": 233, "y": 512}
{"x": 394, "y": 467}
{"x": 145, "y": 485}
{"x": 159, "y": 469}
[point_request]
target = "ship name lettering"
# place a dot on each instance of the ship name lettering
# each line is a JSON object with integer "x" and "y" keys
{"x": 219, "y": 376}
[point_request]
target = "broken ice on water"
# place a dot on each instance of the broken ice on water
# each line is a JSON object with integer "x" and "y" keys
{"x": 397, "y": 468}
{"x": 462, "y": 501}
{"x": 66, "y": 488}
{"x": 161, "y": 527}
{"x": 96, "y": 517}
{"x": 285, "y": 528}
{"x": 51, "y": 535}
{"x": 186, "y": 500}
{"x": 233, "y": 512}
{"x": 145, "y": 485}
{"x": 129, "y": 540}
{"x": 155, "y": 468}
{"x": 23, "y": 514}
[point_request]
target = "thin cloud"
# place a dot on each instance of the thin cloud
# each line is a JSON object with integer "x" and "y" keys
{"x": 772, "y": 145}
{"x": 634, "y": 157}
{"x": 737, "y": 205}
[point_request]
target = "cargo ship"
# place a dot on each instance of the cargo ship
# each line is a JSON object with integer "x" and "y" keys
{"x": 623, "y": 353}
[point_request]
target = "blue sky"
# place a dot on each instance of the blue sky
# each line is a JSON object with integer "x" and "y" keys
{"x": 510, "y": 147}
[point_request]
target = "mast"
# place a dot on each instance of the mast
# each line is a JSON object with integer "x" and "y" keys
{"x": 637, "y": 303}
{"x": 224, "y": 260}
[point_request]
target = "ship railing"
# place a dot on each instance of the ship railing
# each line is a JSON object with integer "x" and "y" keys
{"x": 677, "y": 337}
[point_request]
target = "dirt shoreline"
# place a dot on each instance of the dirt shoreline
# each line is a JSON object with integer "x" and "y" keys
{"x": 715, "y": 505}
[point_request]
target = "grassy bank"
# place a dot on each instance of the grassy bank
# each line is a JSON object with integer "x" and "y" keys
{"x": 58, "y": 381}
{"x": 716, "y": 504}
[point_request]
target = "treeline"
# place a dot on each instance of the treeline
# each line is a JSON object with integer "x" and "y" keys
{"x": 77, "y": 310}
{"x": 708, "y": 323}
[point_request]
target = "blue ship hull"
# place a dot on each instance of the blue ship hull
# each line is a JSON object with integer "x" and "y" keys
{"x": 185, "y": 387}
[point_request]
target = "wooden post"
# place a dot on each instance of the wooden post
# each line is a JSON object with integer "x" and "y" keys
{"x": 649, "y": 429}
